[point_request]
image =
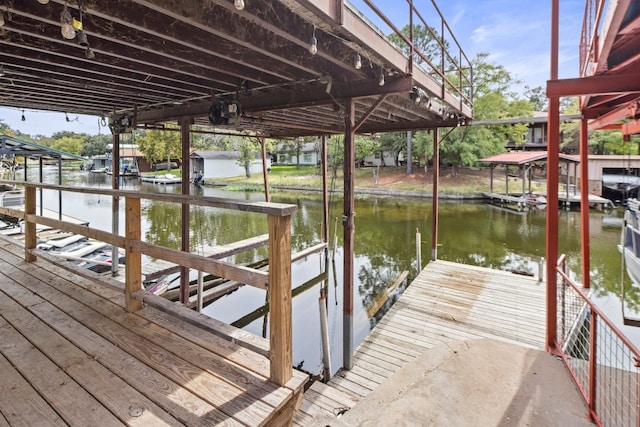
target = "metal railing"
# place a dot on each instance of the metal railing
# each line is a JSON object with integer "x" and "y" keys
{"x": 589, "y": 50}
{"x": 439, "y": 53}
{"x": 603, "y": 363}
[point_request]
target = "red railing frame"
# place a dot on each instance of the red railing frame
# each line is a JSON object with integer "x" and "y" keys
{"x": 596, "y": 316}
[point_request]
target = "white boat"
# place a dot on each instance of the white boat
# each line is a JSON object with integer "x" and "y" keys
{"x": 165, "y": 179}
{"x": 630, "y": 241}
{"x": 620, "y": 182}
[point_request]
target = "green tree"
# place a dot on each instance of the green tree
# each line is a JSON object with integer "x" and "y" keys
{"x": 157, "y": 145}
{"x": 68, "y": 144}
{"x": 95, "y": 145}
{"x": 494, "y": 99}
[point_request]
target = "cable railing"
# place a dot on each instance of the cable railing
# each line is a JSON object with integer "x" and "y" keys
{"x": 602, "y": 361}
{"x": 437, "y": 52}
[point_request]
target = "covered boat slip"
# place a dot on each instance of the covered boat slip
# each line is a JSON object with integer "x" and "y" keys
{"x": 71, "y": 355}
{"x": 447, "y": 302}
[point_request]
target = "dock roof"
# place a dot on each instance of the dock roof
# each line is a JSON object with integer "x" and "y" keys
{"x": 18, "y": 147}
{"x": 158, "y": 61}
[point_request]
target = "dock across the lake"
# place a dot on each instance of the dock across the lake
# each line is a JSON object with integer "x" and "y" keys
{"x": 459, "y": 338}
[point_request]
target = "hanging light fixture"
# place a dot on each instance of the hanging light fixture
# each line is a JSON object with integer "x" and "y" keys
{"x": 2, "y": 21}
{"x": 239, "y": 4}
{"x": 313, "y": 47}
{"x": 358, "y": 63}
{"x": 66, "y": 117}
{"x": 82, "y": 39}
{"x": 23, "y": 118}
{"x": 89, "y": 53}
{"x": 43, "y": 1}
{"x": 381, "y": 80}
{"x": 66, "y": 24}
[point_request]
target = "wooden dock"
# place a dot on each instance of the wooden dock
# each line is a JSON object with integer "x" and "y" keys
{"x": 446, "y": 302}
{"x": 71, "y": 355}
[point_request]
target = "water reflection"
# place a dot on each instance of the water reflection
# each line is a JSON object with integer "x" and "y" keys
{"x": 470, "y": 233}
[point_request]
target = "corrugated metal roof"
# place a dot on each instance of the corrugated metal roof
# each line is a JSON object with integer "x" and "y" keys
{"x": 524, "y": 157}
{"x": 17, "y": 147}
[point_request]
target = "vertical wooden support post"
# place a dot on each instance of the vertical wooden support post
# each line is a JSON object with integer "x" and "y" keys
{"x": 265, "y": 172}
{"x": 348, "y": 219}
{"x": 133, "y": 277}
{"x": 584, "y": 203}
{"x": 115, "y": 203}
{"x": 436, "y": 181}
{"x": 280, "y": 327}
{"x": 553, "y": 154}
{"x": 30, "y": 239}
{"x": 185, "y": 125}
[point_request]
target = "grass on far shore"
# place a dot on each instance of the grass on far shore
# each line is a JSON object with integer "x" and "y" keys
{"x": 466, "y": 182}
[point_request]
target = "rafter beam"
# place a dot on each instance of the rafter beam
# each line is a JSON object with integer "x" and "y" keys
{"x": 596, "y": 85}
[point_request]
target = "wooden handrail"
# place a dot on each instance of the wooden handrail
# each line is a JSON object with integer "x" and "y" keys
{"x": 278, "y": 279}
{"x": 268, "y": 208}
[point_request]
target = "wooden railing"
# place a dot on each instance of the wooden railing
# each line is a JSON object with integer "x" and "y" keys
{"x": 277, "y": 280}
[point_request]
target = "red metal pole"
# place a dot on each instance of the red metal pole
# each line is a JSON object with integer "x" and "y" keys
{"x": 552, "y": 187}
{"x": 265, "y": 172}
{"x": 436, "y": 180}
{"x": 593, "y": 362}
{"x": 185, "y": 125}
{"x": 325, "y": 193}
{"x": 584, "y": 203}
{"x": 349, "y": 232}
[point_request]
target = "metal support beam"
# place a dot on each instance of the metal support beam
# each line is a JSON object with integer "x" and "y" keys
{"x": 115, "y": 204}
{"x": 185, "y": 124}
{"x": 553, "y": 155}
{"x": 584, "y": 203}
{"x": 349, "y": 233}
{"x": 596, "y": 85}
{"x": 436, "y": 180}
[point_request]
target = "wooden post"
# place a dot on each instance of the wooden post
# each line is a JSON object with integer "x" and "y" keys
{"x": 133, "y": 275}
{"x": 280, "y": 328}
{"x": 30, "y": 238}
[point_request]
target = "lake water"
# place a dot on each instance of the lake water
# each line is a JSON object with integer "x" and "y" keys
{"x": 470, "y": 233}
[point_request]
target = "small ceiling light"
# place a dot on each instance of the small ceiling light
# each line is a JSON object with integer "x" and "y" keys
{"x": 239, "y": 4}
{"x": 43, "y": 1}
{"x": 358, "y": 61}
{"x": 82, "y": 39}
{"x": 415, "y": 95}
{"x": 381, "y": 81}
{"x": 313, "y": 47}
{"x": 89, "y": 53}
{"x": 66, "y": 24}
{"x": 23, "y": 118}
{"x": 66, "y": 117}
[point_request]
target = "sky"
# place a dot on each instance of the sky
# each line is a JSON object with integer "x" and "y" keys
{"x": 515, "y": 34}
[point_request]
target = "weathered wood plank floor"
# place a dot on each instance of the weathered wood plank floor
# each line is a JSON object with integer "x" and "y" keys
{"x": 446, "y": 302}
{"x": 71, "y": 355}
